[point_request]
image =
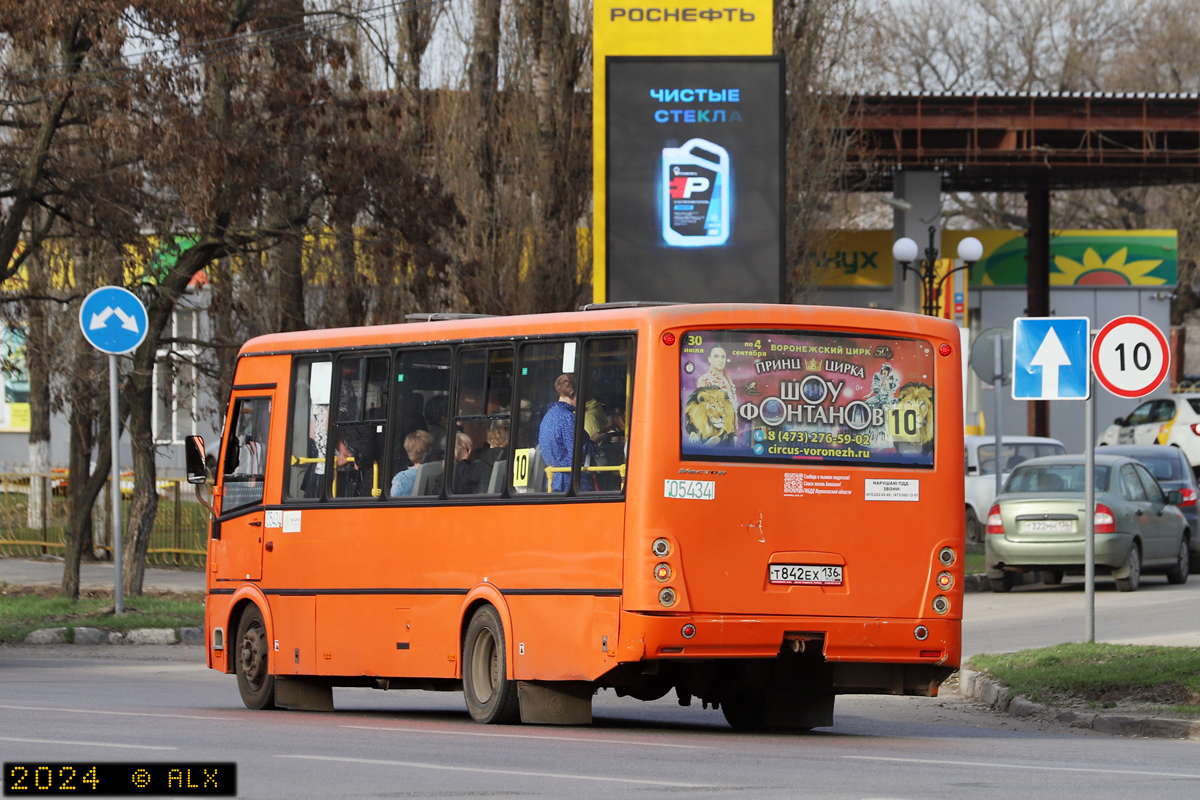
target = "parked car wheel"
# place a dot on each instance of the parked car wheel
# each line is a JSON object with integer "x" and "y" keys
{"x": 974, "y": 529}
{"x": 1180, "y": 573}
{"x": 1052, "y": 577}
{"x": 1004, "y": 583}
{"x": 1133, "y": 564}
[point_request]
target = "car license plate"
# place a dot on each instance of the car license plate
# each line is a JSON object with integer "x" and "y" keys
{"x": 1048, "y": 525}
{"x": 805, "y": 575}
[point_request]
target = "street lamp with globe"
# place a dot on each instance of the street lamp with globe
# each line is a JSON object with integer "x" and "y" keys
{"x": 906, "y": 251}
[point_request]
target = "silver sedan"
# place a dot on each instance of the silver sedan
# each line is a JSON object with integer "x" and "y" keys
{"x": 1037, "y": 524}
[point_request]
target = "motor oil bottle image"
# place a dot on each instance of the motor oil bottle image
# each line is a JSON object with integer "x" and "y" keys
{"x": 695, "y": 184}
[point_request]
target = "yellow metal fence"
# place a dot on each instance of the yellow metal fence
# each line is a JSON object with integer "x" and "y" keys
{"x": 179, "y": 538}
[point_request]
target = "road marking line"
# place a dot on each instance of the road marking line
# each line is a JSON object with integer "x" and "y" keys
{"x": 519, "y": 773}
{"x": 524, "y": 736}
{"x": 1029, "y": 766}
{"x": 118, "y": 713}
{"x": 84, "y": 744}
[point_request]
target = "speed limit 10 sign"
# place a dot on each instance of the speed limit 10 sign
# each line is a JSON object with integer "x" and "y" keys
{"x": 1131, "y": 356}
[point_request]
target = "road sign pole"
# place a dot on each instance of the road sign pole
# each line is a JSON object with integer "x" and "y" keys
{"x": 115, "y": 496}
{"x": 998, "y": 385}
{"x": 114, "y": 321}
{"x": 1089, "y": 525}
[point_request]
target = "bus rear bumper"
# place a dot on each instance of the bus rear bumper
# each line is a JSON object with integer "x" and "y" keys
{"x": 873, "y": 640}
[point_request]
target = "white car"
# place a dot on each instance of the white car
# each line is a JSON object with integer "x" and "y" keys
{"x": 1173, "y": 420}
{"x": 981, "y": 470}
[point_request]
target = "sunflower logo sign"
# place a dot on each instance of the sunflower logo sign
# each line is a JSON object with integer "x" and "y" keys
{"x": 1116, "y": 270}
{"x": 1078, "y": 258}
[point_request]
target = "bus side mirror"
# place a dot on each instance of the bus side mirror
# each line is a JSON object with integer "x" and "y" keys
{"x": 193, "y": 448}
{"x": 1174, "y": 497}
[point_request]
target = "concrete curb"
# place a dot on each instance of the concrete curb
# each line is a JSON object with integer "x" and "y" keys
{"x": 137, "y": 636}
{"x": 978, "y": 581}
{"x": 985, "y": 689}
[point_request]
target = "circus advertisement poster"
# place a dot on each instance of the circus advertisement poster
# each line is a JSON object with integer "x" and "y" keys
{"x": 799, "y": 396}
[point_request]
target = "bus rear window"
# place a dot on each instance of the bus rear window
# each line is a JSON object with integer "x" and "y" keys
{"x": 800, "y": 396}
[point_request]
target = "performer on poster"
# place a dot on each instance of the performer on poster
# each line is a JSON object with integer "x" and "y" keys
{"x": 717, "y": 376}
{"x": 884, "y": 384}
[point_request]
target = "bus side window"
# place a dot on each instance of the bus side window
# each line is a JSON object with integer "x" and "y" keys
{"x": 246, "y": 453}
{"x": 545, "y": 424}
{"x": 421, "y": 388}
{"x": 360, "y": 427}
{"x": 481, "y": 424}
{"x": 607, "y": 386}
{"x": 308, "y": 429}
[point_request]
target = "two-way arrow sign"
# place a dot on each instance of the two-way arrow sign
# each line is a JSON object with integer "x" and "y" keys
{"x": 113, "y": 320}
{"x": 100, "y": 320}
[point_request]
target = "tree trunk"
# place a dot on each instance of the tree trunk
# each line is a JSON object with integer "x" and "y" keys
{"x": 286, "y": 202}
{"x": 38, "y": 360}
{"x": 144, "y": 507}
{"x": 288, "y": 257}
{"x": 484, "y": 79}
{"x": 84, "y": 486}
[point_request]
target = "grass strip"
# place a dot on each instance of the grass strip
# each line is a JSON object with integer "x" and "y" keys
{"x": 975, "y": 560}
{"x": 25, "y": 609}
{"x": 1101, "y": 674}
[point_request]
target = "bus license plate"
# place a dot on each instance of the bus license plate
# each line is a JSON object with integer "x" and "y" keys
{"x": 1048, "y": 526}
{"x": 805, "y": 575}
{"x": 691, "y": 490}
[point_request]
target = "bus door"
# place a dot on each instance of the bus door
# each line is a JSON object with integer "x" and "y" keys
{"x": 243, "y": 474}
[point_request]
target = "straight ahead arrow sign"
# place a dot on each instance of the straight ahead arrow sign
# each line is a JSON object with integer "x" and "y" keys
{"x": 1051, "y": 357}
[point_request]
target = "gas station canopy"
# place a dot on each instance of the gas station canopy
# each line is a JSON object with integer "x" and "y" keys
{"x": 1010, "y": 142}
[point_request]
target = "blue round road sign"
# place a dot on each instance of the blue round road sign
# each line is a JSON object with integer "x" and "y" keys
{"x": 113, "y": 320}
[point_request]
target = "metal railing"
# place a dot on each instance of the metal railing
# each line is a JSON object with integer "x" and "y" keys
{"x": 179, "y": 537}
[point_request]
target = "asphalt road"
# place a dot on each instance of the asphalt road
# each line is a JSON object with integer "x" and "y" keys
{"x": 1036, "y": 615}
{"x": 160, "y": 703}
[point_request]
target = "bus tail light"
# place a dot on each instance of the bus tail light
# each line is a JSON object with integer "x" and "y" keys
{"x": 662, "y": 573}
{"x": 945, "y": 349}
{"x": 661, "y": 548}
{"x": 688, "y": 631}
{"x": 947, "y": 556}
{"x": 994, "y": 523}
{"x": 667, "y": 597}
{"x": 945, "y": 580}
{"x": 668, "y": 339}
{"x": 921, "y": 632}
{"x": 1189, "y": 497}
{"x": 940, "y": 604}
{"x": 1196, "y": 428}
{"x": 1105, "y": 522}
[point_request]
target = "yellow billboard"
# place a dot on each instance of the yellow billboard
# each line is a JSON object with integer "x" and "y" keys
{"x": 1077, "y": 258}
{"x": 624, "y": 29}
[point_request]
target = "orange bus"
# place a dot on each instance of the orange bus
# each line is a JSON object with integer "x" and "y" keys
{"x": 756, "y": 506}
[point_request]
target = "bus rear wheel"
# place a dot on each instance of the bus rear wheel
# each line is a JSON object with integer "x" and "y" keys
{"x": 746, "y": 711}
{"x": 256, "y": 684}
{"x": 491, "y": 697}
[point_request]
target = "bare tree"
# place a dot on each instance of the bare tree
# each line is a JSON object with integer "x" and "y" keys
{"x": 811, "y": 36}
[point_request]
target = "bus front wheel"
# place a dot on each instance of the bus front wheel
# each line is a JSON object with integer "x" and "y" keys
{"x": 491, "y": 697}
{"x": 255, "y": 681}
